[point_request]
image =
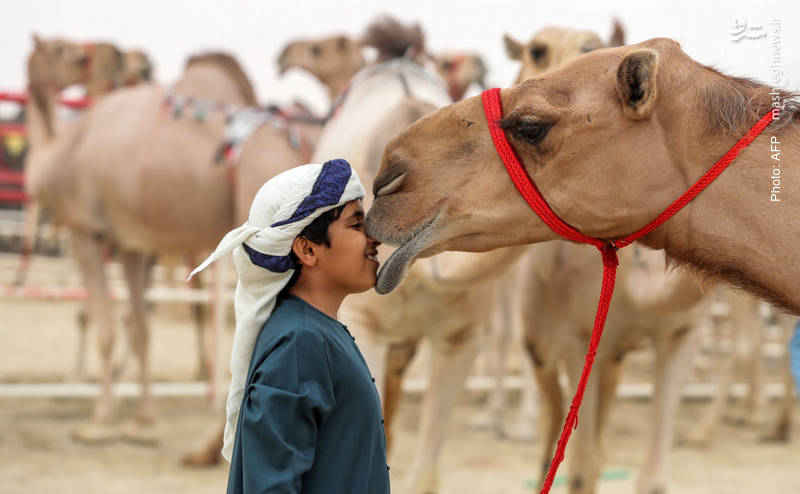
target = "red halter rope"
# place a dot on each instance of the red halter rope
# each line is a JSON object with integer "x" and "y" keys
{"x": 493, "y": 108}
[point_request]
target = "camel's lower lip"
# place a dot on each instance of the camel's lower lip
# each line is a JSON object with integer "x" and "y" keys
{"x": 394, "y": 270}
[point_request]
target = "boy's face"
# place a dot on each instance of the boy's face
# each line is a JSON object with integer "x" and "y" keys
{"x": 350, "y": 263}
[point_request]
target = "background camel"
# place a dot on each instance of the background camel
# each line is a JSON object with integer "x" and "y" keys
{"x": 554, "y": 46}
{"x": 59, "y": 63}
{"x": 169, "y": 196}
{"x": 334, "y": 60}
{"x": 446, "y": 302}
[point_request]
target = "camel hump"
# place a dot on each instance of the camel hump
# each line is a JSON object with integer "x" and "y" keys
{"x": 231, "y": 66}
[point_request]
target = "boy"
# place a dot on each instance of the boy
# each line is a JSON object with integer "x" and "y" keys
{"x": 306, "y": 413}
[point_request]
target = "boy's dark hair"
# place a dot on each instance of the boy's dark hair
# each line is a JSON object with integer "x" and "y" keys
{"x": 316, "y": 232}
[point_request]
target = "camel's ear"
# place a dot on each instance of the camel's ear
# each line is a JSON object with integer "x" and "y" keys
{"x": 38, "y": 42}
{"x": 513, "y": 47}
{"x": 342, "y": 42}
{"x": 636, "y": 83}
{"x": 617, "y": 35}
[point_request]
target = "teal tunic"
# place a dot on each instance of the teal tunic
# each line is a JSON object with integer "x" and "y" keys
{"x": 311, "y": 416}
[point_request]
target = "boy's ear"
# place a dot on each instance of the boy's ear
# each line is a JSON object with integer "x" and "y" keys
{"x": 305, "y": 250}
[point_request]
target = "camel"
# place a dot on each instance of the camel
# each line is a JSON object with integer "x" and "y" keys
{"x": 131, "y": 174}
{"x": 445, "y": 302}
{"x": 334, "y": 60}
{"x": 554, "y": 46}
{"x": 732, "y": 231}
{"x": 460, "y": 70}
{"x": 59, "y": 63}
{"x": 665, "y": 308}
{"x": 650, "y": 93}
{"x": 548, "y": 49}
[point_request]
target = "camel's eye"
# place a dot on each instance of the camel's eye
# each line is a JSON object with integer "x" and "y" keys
{"x": 58, "y": 51}
{"x": 526, "y": 129}
{"x": 316, "y": 50}
{"x": 538, "y": 52}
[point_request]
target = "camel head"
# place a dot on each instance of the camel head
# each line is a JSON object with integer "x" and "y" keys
{"x": 552, "y": 47}
{"x": 460, "y": 71}
{"x": 57, "y": 63}
{"x": 589, "y": 134}
{"x": 137, "y": 68}
{"x": 333, "y": 61}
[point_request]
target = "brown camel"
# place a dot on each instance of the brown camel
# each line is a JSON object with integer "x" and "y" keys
{"x": 131, "y": 174}
{"x": 460, "y": 71}
{"x": 580, "y": 131}
{"x": 553, "y": 46}
{"x": 332, "y": 60}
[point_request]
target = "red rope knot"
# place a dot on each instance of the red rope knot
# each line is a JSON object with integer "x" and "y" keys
{"x": 609, "y": 252}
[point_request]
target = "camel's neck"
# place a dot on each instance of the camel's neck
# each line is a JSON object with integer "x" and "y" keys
{"x": 40, "y": 115}
{"x": 336, "y": 84}
{"x": 744, "y": 227}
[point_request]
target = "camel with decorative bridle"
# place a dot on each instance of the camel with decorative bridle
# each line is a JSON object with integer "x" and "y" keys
{"x": 610, "y": 140}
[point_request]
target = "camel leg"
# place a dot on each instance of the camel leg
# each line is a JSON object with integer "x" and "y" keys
{"x": 553, "y": 401}
{"x": 89, "y": 256}
{"x": 83, "y": 329}
{"x": 585, "y": 458}
{"x": 674, "y": 355}
{"x": 199, "y": 314}
{"x": 28, "y": 241}
{"x": 701, "y": 434}
{"x": 781, "y": 426}
{"x": 451, "y": 360}
{"x": 493, "y": 417}
{"x": 756, "y": 332}
{"x": 135, "y": 266}
{"x": 397, "y": 360}
{"x": 525, "y": 429}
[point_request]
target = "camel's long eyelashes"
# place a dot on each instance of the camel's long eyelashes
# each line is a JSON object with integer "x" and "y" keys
{"x": 528, "y": 130}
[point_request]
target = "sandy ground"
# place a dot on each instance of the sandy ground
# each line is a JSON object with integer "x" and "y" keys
{"x": 39, "y": 344}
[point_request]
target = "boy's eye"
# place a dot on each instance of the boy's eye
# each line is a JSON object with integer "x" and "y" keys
{"x": 358, "y": 225}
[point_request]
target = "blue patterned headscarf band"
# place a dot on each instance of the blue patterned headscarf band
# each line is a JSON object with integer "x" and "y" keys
{"x": 261, "y": 247}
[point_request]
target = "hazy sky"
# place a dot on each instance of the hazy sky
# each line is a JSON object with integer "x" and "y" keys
{"x": 255, "y": 31}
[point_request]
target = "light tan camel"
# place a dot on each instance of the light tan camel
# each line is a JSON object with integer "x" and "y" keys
{"x": 549, "y": 49}
{"x": 460, "y": 71}
{"x": 446, "y": 301}
{"x": 580, "y": 131}
{"x": 650, "y": 305}
{"x": 58, "y": 63}
{"x": 333, "y": 60}
{"x": 554, "y": 46}
{"x": 130, "y": 174}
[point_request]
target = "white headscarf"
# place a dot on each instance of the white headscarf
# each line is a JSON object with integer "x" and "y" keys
{"x": 283, "y": 206}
